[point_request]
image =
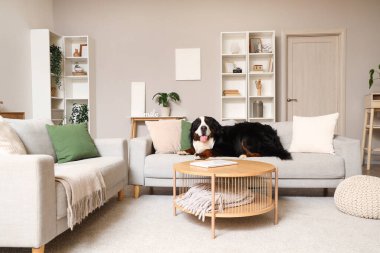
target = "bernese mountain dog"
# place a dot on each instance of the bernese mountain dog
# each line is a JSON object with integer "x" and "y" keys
{"x": 245, "y": 139}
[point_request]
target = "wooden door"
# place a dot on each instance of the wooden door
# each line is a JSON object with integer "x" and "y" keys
{"x": 314, "y": 76}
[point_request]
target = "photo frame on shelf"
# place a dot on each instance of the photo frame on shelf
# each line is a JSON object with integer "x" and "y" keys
{"x": 83, "y": 50}
{"x": 255, "y": 45}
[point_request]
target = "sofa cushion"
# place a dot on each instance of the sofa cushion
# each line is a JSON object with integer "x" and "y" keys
{"x": 307, "y": 166}
{"x": 113, "y": 170}
{"x": 72, "y": 142}
{"x": 161, "y": 165}
{"x": 303, "y": 166}
{"x": 10, "y": 143}
{"x": 34, "y": 135}
{"x": 284, "y": 131}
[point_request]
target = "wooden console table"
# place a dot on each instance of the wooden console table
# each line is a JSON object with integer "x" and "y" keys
{"x": 135, "y": 120}
{"x": 13, "y": 115}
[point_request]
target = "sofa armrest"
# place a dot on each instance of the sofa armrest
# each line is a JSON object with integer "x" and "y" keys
{"x": 28, "y": 200}
{"x": 349, "y": 149}
{"x": 113, "y": 147}
{"x": 139, "y": 148}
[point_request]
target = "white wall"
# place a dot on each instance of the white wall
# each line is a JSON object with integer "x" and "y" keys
{"x": 135, "y": 41}
{"x": 17, "y": 17}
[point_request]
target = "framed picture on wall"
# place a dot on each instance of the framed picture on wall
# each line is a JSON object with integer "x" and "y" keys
{"x": 255, "y": 45}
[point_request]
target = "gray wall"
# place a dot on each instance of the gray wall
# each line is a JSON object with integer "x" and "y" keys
{"x": 17, "y": 17}
{"x": 135, "y": 41}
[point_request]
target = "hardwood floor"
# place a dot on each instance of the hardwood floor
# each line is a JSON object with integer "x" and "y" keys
{"x": 374, "y": 171}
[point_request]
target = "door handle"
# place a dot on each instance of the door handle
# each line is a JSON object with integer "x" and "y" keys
{"x": 292, "y": 100}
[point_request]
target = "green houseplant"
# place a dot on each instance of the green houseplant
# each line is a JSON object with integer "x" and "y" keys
{"x": 371, "y": 73}
{"x": 79, "y": 114}
{"x": 56, "y": 57}
{"x": 164, "y": 99}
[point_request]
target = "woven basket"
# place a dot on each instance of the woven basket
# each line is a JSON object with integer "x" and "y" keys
{"x": 359, "y": 196}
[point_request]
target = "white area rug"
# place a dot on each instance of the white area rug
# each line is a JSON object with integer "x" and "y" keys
{"x": 307, "y": 224}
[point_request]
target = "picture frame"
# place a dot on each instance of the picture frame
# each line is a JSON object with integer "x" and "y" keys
{"x": 255, "y": 45}
{"x": 83, "y": 50}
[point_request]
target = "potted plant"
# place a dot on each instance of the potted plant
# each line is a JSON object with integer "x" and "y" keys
{"x": 164, "y": 100}
{"x": 371, "y": 73}
{"x": 56, "y": 57}
{"x": 79, "y": 114}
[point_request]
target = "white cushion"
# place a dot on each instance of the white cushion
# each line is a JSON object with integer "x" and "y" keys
{"x": 313, "y": 134}
{"x": 10, "y": 143}
{"x": 166, "y": 135}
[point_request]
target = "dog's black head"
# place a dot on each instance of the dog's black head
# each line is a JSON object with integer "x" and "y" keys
{"x": 203, "y": 128}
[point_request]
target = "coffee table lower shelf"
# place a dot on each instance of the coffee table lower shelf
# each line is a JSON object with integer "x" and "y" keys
{"x": 252, "y": 209}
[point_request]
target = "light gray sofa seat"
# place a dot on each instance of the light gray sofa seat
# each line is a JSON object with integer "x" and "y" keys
{"x": 306, "y": 170}
{"x": 113, "y": 172}
{"x": 303, "y": 166}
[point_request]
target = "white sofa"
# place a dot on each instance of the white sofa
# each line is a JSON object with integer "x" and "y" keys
{"x": 33, "y": 205}
{"x": 306, "y": 170}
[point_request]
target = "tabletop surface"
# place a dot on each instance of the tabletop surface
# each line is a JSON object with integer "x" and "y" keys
{"x": 243, "y": 168}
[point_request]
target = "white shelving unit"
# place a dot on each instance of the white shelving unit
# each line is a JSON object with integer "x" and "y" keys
{"x": 58, "y": 105}
{"x": 244, "y": 56}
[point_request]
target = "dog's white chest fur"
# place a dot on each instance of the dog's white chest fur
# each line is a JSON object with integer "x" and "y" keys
{"x": 202, "y": 146}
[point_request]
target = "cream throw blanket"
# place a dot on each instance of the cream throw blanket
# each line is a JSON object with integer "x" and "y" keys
{"x": 198, "y": 199}
{"x": 85, "y": 190}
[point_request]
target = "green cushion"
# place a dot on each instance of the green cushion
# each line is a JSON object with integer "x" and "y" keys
{"x": 72, "y": 142}
{"x": 185, "y": 135}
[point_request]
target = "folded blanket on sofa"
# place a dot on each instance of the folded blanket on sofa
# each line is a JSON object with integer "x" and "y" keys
{"x": 197, "y": 200}
{"x": 85, "y": 190}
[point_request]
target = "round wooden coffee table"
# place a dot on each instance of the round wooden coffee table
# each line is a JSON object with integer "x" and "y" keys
{"x": 252, "y": 178}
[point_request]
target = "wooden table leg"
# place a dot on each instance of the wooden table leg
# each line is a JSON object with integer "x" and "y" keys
{"x": 369, "y": 148}
{"x": 174, "y": 191}
{"x": 133, "y": 128}
{"x": 213, "y": 207}
{"x": 364, "y": 134}
{"x": 276, "y": 198}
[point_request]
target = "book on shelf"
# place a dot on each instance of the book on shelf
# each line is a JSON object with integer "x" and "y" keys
{"x": 270, "y": 66}
{"x": 231, "y": 93}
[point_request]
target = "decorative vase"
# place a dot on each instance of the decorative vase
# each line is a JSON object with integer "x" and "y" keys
{"x": 76, "y": 53}
{"x": 165, "y": 111}
{"x": 1, "y": 106}
{"x": 258, "y": 109}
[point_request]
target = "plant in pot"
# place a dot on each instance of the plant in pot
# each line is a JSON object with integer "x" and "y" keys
{"x": 371, "y": 73}
{"x": 79, "y": 114}
{"x": 56, "y": 57}
{"x": 164, "y": 100}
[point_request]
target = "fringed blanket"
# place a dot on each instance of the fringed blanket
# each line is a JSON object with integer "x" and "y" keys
{"x": 197, "y": 200}
{"x": 85, "y": 190}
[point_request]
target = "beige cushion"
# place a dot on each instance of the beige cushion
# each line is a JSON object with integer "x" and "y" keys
{"x": 166, "y": 135}
{"x": 10, "y": 143}
{"x": 313, "y": 134}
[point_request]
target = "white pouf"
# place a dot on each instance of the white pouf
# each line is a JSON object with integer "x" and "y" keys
{"x": 359, "y": 196}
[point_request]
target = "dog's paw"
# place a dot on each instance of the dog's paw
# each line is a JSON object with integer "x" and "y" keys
{"x": 197, "y": 157}
{"x": 242, "y": 156}
{"x": 182, "y": 152}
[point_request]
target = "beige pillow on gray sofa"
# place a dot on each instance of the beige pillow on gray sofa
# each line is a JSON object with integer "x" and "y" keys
{"x": 10, "y": 143}
{"x": 166, "y": 135}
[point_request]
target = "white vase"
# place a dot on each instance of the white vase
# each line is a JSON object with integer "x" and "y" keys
{"x": 165, "y": 111}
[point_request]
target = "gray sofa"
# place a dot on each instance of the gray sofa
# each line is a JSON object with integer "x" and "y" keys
{"x": 306, "y": 170}
{"x": 34, "y": 206}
